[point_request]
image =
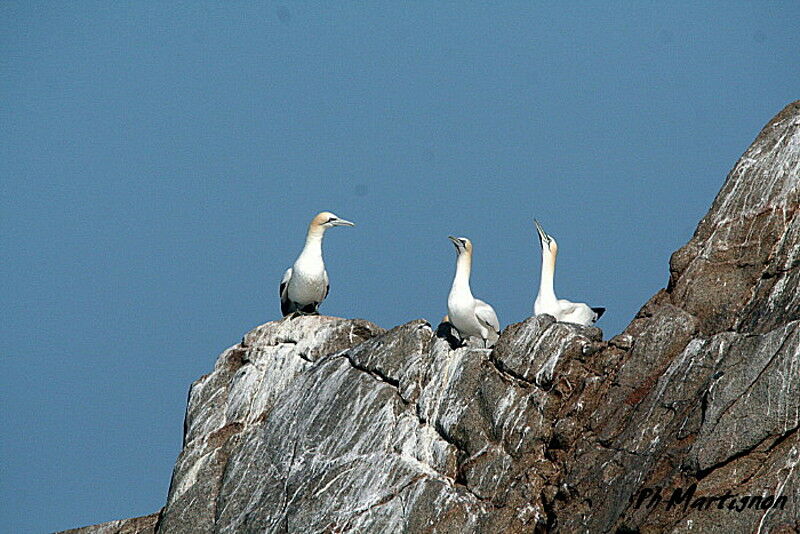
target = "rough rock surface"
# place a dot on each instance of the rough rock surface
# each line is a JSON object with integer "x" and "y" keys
{"x": 136, "y": 525}
{"x": 319, "y": 424}
{"x": 709, "y": 393}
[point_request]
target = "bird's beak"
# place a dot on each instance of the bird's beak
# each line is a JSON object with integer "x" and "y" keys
{"x": 543, "y": 237}
{"x": 342, "y": 222}
{"x": 457, "y": 243}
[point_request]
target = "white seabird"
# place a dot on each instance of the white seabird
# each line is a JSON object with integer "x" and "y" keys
{"x": 546, "y": 301}
{"x": 470, "y": 316}
{"x": 305, "y": 284}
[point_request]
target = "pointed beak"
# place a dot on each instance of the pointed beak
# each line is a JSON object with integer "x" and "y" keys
{"x": 342, "y": 222}
{"x": 543, "y": 237}
{"x": 456, "y": 242}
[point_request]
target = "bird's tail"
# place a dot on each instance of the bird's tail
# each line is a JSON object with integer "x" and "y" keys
{"x": 599, "y": 312}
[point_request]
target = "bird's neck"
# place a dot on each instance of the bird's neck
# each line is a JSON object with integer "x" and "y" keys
{"x": 548, "y": 274}
{"x": 312, "y": 250}
{"x": 463, "y": 269}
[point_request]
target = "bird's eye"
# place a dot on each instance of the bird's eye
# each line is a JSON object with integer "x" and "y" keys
{"x": 332, "y": 219}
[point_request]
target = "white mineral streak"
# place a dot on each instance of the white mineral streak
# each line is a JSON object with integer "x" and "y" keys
{"x": 759, "y": 183}
{"x": 356, "y": 438}
{"x": 692, "y": 349}
{"x": 545, "y": 373}
{"x": 792, "y": 460}
{"x": 435, "y": 401}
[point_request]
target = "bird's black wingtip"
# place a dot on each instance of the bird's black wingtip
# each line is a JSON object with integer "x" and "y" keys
{"x": 599, "y": 311}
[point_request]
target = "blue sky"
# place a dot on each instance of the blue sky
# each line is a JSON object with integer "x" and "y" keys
{"x": 159, "y": 164}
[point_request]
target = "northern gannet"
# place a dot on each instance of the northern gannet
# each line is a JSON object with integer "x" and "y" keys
{"x": 546, "y": 301}
{"x": 305, "y": 284}
{"x": 470, "y": 316}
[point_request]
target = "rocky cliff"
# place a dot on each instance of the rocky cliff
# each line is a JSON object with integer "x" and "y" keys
{"x": 686, "y": 421}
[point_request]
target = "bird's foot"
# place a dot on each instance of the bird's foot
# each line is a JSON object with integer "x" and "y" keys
{"x": 303, "y": 313}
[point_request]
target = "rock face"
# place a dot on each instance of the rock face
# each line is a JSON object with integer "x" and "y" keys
{"x": 319, "y": 424}
{"x": 137, "y": 525}
{"x": 709, "y": 393}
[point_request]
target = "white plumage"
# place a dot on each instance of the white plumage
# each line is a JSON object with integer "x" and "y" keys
{"x": 470, "y": 316}
{"x": 546, "y": 301}
{"x": 305, "y": 284}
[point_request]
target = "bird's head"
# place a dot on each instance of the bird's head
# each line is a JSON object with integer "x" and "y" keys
{"x": 462, "y": 244}
{"x": 327, "y": 219}
{"x": 547, "y": 242}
